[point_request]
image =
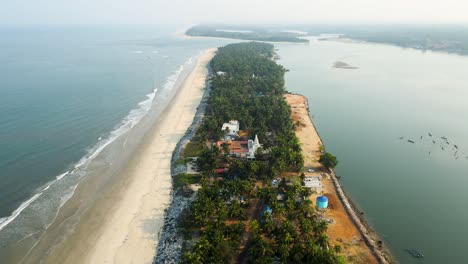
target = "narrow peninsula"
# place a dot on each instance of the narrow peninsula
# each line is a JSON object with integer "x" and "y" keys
{"x": 255, "y": 184}
{"x": 251, "y": 33}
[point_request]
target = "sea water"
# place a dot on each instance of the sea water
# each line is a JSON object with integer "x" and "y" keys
{"x": 67, "y": 95}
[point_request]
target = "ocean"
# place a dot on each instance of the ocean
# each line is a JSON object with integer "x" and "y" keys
{"x": 71, "y": 94}
{"x": 397, "y": 125}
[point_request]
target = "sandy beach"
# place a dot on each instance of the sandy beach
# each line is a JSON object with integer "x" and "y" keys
{"x": 344, "y": 230}
{"x": 123, "y": 224}
{"x": 124, "y": 237}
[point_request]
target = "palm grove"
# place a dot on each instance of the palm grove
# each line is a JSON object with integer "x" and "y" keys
{"x": 226, "y": 223}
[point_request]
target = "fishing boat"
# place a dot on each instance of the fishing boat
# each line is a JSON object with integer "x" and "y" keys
{"x": 415, "y": 253}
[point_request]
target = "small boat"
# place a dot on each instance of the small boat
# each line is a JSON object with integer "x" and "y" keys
{"x": 443, "y": 138}
{"x": 433, "y": 141}
{"x": 411, "y": 141}
{"x": 421, "y": 137}
{"x": 455, "y": 146}
{"x": 415, "y": 253}
{"x": 429, "y": 134}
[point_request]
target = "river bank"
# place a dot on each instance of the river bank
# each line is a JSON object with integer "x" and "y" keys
{"x": 358, "y": 242}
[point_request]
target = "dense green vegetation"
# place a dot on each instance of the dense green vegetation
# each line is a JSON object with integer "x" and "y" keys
{"x": 446, "y": 38}
{"x": 228, "y": 222}
{"x": 259, "y": 34}
{"x": 328, "y": 160}
{"x": 183, "y": 179}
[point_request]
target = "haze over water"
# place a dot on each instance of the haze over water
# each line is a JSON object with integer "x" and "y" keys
{"x": 414, "y": 195}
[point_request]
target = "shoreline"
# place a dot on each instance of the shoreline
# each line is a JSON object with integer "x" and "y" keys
{"x": 369, "y": 236}
{"x": 122, "y": 223}
{"x": 138, "y": 245}
{"x": 169, "y": 248}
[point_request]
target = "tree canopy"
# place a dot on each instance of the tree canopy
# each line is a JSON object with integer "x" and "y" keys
{"x": 251, "y": 90}
{"x": 328, "y": 160}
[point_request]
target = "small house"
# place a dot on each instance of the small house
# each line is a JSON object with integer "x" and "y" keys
{"x": 313, "y": 182}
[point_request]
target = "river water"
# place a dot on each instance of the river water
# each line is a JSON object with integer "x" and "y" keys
{"x": 413, "y": 194}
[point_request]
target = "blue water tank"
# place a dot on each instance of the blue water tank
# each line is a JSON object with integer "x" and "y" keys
{"x": 264, "y": 211}
{"x": 321, "y": 202}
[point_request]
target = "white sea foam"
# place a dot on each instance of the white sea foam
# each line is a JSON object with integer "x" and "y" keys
{"x": 133, "y": 118}
{"x": 47, "y": 187}
{"x": 62, "y": 175}
{"x": 137, "y": 51}
{"x": 6, "y": 220}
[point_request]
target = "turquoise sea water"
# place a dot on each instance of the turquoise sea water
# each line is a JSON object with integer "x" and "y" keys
{"x": 413, "y": 194}
{"x": 67, "y": 92}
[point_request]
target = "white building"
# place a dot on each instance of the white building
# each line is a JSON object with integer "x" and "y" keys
{"x": 313, "y": 182}
{"x": 253, "y": 146}
{"x": 231, "y": 129}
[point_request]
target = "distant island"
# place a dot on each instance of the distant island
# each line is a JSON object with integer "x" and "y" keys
{"x": 343, "y": 65}
{"x": 249, "y": 33}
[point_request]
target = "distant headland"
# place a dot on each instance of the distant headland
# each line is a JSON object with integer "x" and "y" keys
{"x": 247, "y": 33}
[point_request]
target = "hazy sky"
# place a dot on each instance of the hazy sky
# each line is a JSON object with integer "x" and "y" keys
{"x": 198, "y": 11}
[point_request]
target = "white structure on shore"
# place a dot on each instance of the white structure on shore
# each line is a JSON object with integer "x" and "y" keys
{"x": 253, "y": 146}
{"x": 231, "y": 129}
{"x": 313, "y": 183}
{"x": 238, "y": 148}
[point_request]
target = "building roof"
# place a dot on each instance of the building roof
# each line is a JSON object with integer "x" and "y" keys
{"x": 313, "y": 182}
{"x": 235, "y": 146}
{"x": 233, "y": 126}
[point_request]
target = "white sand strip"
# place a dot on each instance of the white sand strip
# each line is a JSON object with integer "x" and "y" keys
{"x": 128, "y": 235}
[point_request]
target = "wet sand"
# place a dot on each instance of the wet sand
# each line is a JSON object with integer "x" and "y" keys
{"x": 344, "y": 231}
{"x": 123, "y": 224}
{"x": 128, "y": 235}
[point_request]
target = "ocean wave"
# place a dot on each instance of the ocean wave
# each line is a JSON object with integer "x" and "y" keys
{"x": 62, "y": 175}
{"x": 127, "y": 123}
{"x": 6, "y": 220}
{"x": 172, "y": 79}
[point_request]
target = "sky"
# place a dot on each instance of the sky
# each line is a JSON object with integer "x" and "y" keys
{"x": 202, "y": 11}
